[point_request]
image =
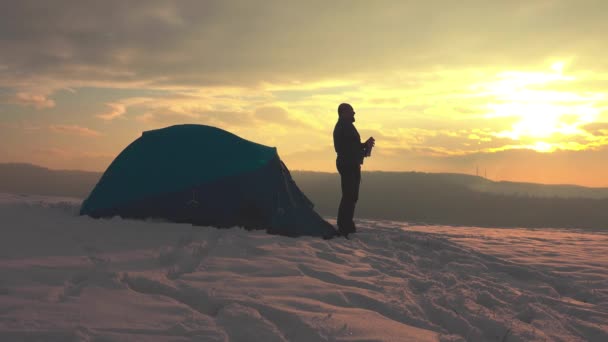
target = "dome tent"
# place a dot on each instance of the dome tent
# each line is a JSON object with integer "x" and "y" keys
{"x": 205, "y": 176}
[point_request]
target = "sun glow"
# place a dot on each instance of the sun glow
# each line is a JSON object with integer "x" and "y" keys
{"x": 558, "y": 66}
{"x": 542, "y": 115}
{"x": 542, "y": 146}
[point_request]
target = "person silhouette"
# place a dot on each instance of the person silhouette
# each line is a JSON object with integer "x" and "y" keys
{"x": 350, "y": 153}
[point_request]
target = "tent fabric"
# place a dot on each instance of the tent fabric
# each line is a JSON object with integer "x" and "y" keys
{"x": 205, "y": 176}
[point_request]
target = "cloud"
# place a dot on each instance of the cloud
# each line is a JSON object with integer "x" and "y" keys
{"x": 191, "y": 43}
{"x": 38, "y": 101}
{"x": 274, "y": 115}
{"x": 119, "y": 108}
{"x": 194, "y": 110}
{"x": 167, "y": 115}
{"x": 116, "y": 110}
{"x": 596, "y": 128}
{"x": 222, "y": 119}
{"x": 75, "y": 130}
{"x": 276, "y": 71}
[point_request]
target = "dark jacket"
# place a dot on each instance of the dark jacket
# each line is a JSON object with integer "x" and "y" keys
{"x": 347, "y": 143}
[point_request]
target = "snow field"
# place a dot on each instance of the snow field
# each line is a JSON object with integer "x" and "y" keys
{"x": 65, "y": 277}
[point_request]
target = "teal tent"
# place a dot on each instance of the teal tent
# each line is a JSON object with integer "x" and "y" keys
{"x": 205, "y": 176}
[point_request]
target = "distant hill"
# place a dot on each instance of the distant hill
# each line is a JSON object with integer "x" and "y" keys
{"x": 537, "y": 190}
{"x": 475, "y": 183}
{"x": 32, "y": 179}
{"x": 437, "y": 198}
{"x": 453, "y": 199}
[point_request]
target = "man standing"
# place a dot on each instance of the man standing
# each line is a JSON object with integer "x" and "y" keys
{"x": 351, "y": 152}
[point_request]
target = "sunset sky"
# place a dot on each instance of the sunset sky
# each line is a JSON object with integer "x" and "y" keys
{"x": 517, "y": 88}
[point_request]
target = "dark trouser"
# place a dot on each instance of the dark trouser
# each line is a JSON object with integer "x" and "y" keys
{"x": 350, "y": 176}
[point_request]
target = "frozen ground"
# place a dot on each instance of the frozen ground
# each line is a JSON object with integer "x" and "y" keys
{"x": 70, "y": 278}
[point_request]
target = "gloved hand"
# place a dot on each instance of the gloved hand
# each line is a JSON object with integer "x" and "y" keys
{"x": 371, "y": 142}
{"x": 368, "y": 146}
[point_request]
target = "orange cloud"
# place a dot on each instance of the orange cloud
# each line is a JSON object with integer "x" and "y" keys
{"x": 75, "y": 130}
{"x": 117, "y": 110}
{"x": 37, "y": 101}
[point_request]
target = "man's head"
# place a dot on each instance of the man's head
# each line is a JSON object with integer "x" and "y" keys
{"x": 346, "y": 111}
